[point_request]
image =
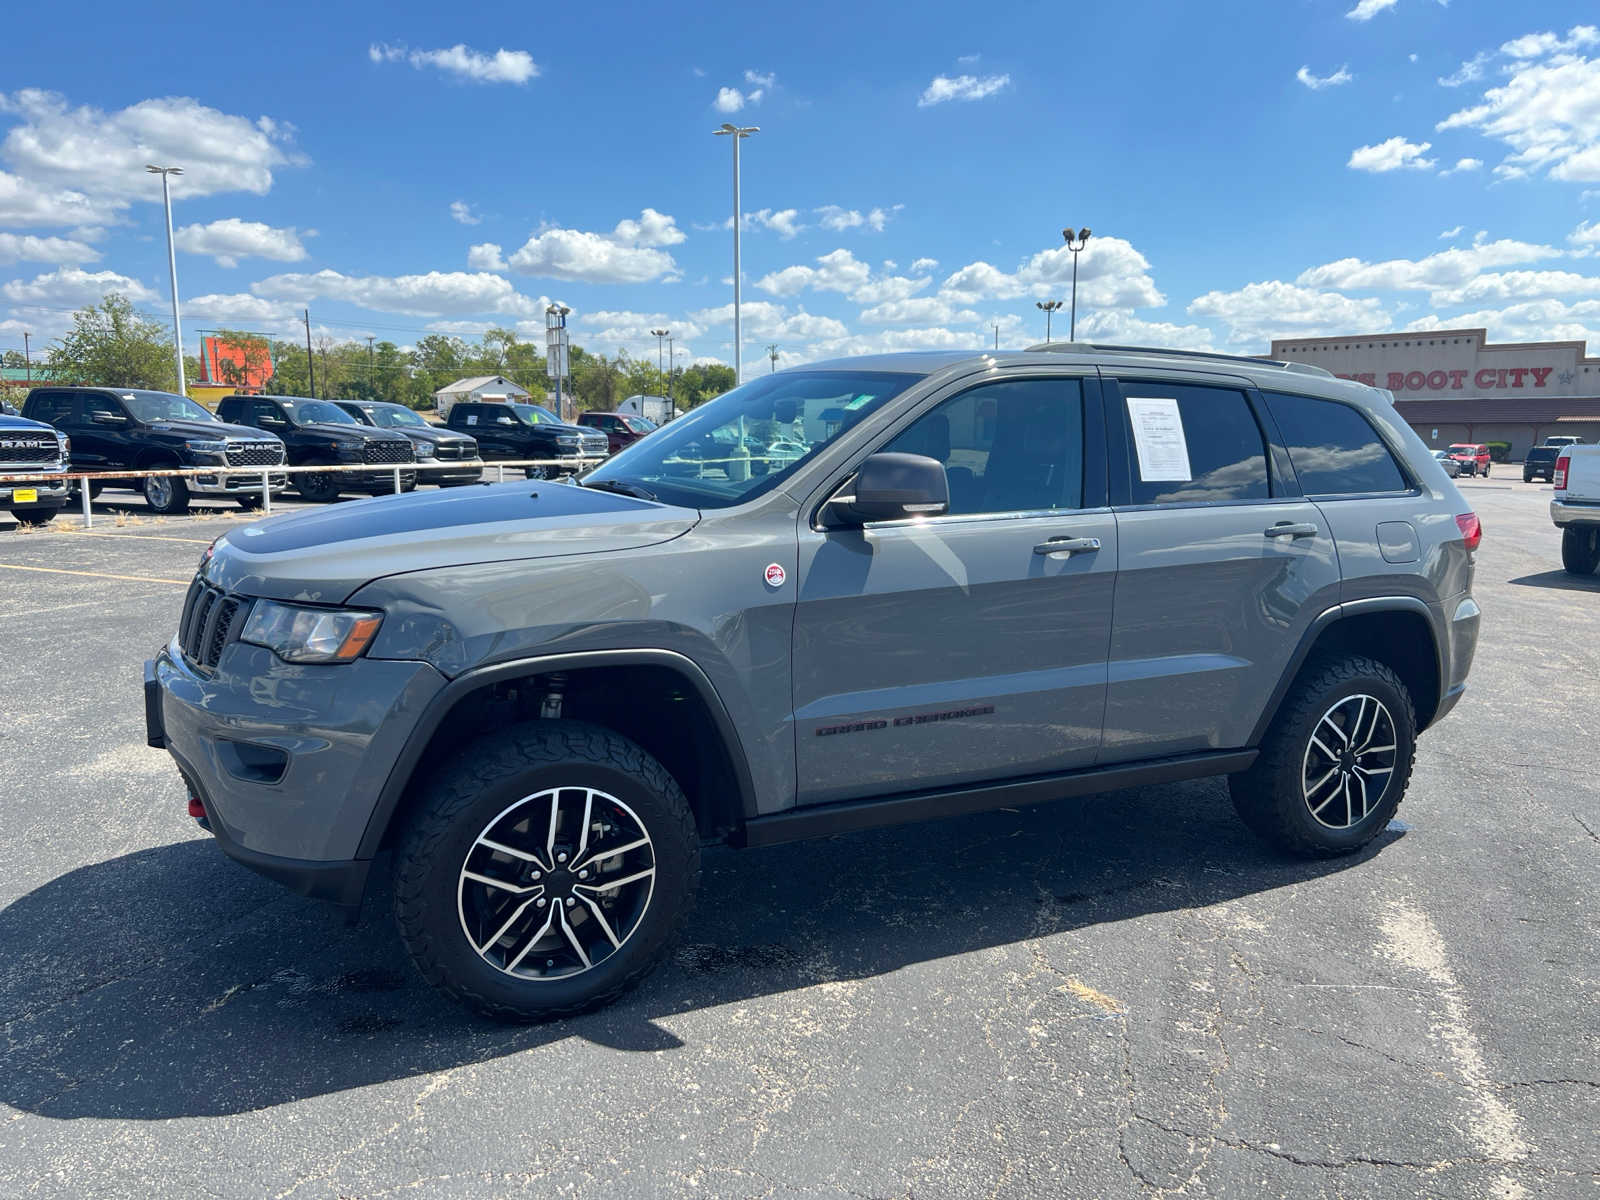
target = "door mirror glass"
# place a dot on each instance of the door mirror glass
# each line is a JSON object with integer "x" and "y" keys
{"x": 892, "y": 487}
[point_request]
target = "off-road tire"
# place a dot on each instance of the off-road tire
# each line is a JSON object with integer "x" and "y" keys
{"x": 248, "y": 501}
{"x": 461, "y": 797}
{"x": 1269, "y": 796}
{"x": 35, "y": 516}
{"x": 1580, "y": 549}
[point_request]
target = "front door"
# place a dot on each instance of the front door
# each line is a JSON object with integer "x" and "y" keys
{"x": 1224, "y": 566}
{"x": 97, "y": 445}
{"x": 935, "y": 652}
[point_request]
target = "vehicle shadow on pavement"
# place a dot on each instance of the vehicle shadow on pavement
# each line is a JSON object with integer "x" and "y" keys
{"x": 172, "y": 982}
{"x": 1562, "y": 580}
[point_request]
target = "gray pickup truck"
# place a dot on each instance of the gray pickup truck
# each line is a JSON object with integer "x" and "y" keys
{"x": 847, "y": 595}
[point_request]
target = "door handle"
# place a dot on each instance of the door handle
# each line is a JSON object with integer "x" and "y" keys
{"x": 1068, "y": 545}
{"x": 1292, "y": 530}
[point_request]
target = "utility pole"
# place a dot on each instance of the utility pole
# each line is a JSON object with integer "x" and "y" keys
{"x": 997, "y": 335}
{"x": 672, "y": 371}
{"x": 772, "y": 353}
{"x": 370, "y": 367}
{"x": 660, "y": 336}
{"x": 172, "y": 266}
{"x": 738, "y": 134}
{"x": 311, "y": 363}
{"x": 27, "y": 356}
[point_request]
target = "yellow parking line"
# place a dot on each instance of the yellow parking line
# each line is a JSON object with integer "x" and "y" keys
{"x": 144, "y": 537}
{"x": 92, "y": 574}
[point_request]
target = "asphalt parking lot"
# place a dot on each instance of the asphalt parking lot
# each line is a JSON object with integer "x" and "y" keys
{"x": 1117, "y": 996}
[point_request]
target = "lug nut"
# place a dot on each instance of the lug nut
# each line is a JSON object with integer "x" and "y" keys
{"x": 583, "y": 874}
{"x": 533, "y": 874}
{"x": 570, "y": 901}
{"x": 562, "y": 857}
{"x": 540, "y": 902}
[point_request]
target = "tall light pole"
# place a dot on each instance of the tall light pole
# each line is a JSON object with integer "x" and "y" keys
{"x": 1049, "y": 308}
{"x": 27, "y": 355}
{"x": 660, "y": 336}
{"x": 172, "y": 264}
{"x": 772, "y": 353}
{"x": 738, "y": 133}
{"x": 1082, "y": 239}
{"x": 672, "y": 371}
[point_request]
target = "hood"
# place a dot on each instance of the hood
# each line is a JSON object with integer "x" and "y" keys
{"x": 365, "y": 432}
{"x": 322, "y": 556}
{"x": 23, "y": 424}
{"x": 213, "y": 430}
{"x": 436, "y": 437}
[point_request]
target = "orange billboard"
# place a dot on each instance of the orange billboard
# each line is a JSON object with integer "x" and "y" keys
{"x": 244, "y": 363}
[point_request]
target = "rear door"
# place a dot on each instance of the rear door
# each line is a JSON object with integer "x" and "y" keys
{"x": 934, "y": 652}
{"x": 1224, "y": 564}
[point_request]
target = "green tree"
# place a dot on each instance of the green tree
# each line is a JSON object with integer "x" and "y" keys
{"x": 111, "y": 345}
{"x": 15, "y": 359}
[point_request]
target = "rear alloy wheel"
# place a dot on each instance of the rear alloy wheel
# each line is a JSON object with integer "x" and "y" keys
{"x": 167, "y": 494}
{"x": 545, "y": 871}
{"x": 1336, "y": 761}
{"x": 1580, "y": 549}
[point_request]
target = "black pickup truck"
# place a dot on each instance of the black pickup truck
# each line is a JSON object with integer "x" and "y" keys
{"x": 319, "y": 432}
{"x": 131, "y": 429}
{"x": 444, "y": 457}
{"x": 518, "y": 431}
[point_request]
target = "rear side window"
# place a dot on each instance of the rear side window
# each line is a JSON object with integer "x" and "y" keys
{"x": 1334, "y": 448}
{"x": 1193, "y": 444}
{"x": 50, "y": 407}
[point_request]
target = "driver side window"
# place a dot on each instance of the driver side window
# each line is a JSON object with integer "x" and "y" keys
{"x": 1014, "y": 446}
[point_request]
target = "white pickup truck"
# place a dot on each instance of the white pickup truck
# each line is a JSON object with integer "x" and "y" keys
{"x": 1576, "y": 507}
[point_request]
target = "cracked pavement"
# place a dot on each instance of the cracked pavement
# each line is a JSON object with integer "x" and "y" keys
{"x": 1119, "y": 996}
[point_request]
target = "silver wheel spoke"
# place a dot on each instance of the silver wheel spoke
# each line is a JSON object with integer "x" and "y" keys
{"x": 611, "y": 885}
{"x": 611, "y": 852}
{"x": 1362, "y": 784}
{"x": 1376, "y": 750}
{"x": 487, "y": 881}
{"x": 1357, "y": 762}
{"x": 533, "y": 941}
{"x": 1332, "y": 796}
{"x": 512, "y": 851}
{"x": 1328, "y": 720}
{"x": 1312, "y": 790}
{"x": 1318, "y": 744}
{"x": 583, "y": 830}
{"x": 572, "y": 938}
{"x": 605, "y": 925}
{"x": 515, "y": 916}
{"x": 1371, "y": 771}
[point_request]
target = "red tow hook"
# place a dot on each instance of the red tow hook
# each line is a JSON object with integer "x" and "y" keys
{"x": 196, "y": 809}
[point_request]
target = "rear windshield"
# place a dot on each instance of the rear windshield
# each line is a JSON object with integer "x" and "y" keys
{"x": 1544, "y": 454}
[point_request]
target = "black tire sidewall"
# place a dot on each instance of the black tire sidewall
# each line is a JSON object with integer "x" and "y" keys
{"x": 1288, "y": 784}
{"x": 327, "y": 492}
{"x": 454, "y": 955}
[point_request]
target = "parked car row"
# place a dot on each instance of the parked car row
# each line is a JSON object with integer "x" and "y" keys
{"x": 66, "y": 429}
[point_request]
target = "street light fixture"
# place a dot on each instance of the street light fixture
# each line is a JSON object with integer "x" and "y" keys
{"x": 1082, "y": 239}
{"x": 738, "y": 133}
{"x": 1049, "y": 308}
{"x": 172, "y": 265}
{"x": 555, "y": 339}
{"x": 661, "y": 336}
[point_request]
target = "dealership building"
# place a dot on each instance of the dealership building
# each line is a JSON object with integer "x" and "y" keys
{"x": 1453, "y": 385}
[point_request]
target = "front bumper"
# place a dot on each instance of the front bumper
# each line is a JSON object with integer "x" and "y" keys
{"x": 50, "y": 493}
{"x": 450, "y": 471}
{"x": 236, "y": 485}
{"x": 287, "y": 760}
{"x": 378, "y": 479}
{"x": 1575, "y": 512}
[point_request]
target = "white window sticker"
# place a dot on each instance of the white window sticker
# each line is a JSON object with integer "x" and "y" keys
{"x": 472, "y": 418}
{"x": 1158, "y": 438}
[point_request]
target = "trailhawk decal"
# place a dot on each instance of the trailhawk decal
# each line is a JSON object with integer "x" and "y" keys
{"x": 949, "y": 714}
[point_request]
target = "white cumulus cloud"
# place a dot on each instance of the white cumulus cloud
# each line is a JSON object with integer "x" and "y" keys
{"x": 462, "y": 62}
{"x": 628, "y": 254}
{"x": 436, "y": 294}
{"x": 231, "y": 239}
{"x": 73, "y": 287}
{"x": 16, "y": 247}
{"x": 1317, "y": 82}
{"x": 839, "y": 219}
{"x": 486, "y": 256}
{"x": 1259, "y": 312}
{"x": 1367, "y": 9}
{"x": 1392, "y": 155}
{"x": 461, "y": 212}
{"x": 961, "y": 87}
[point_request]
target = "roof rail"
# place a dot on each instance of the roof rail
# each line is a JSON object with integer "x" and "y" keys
{"x": 1253, "y": 359}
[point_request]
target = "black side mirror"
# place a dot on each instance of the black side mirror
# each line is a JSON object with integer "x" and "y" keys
{"x": 892, "y": 487}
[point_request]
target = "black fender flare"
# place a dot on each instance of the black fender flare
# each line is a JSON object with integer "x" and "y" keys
{"x": 1329, "y": 617}
{"x": 401, "y": 773}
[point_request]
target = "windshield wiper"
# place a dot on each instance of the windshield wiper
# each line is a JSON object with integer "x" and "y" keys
{"x": 621, "y": 488}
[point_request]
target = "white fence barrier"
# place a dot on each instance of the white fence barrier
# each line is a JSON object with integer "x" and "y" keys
{"x": 266, "y": 474}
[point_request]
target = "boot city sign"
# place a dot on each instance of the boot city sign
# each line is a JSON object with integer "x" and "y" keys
{"x": 1450, "y": 363}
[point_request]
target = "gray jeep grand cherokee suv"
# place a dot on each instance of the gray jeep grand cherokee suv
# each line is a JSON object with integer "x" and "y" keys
{"x": 851, "y": 594}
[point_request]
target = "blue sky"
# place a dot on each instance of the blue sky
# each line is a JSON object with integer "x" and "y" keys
{"x": 1249, "y": 169}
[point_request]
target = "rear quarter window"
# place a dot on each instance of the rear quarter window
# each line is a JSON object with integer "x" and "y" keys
{"x": 1334, "y": 448}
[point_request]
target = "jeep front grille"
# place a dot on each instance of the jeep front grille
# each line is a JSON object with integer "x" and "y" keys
{"x": 388, "y": 452}
{"x": 211, "y": 619}
{"x": 255, "y": 454}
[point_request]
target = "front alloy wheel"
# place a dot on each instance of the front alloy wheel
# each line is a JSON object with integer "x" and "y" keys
{"x": 556, "y": 884}
{"x": 166, "y": 493}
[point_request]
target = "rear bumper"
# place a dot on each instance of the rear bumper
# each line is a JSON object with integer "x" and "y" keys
{"x": 1575, "y": 512}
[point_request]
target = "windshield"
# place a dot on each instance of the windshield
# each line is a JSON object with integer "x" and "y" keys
{"x": 1463, "y": 449}
{"x": 534, "y": 415}
{"x": 393, "y": 418}
{"x": 164, "y": 406}
{"x": 639, "y": 424}
{"x": 320, "y": 412}
{"x": 745, "y": 442}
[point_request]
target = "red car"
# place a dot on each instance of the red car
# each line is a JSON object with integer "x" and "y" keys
{"x": 621, "y": 429}
{"x": 1471, "y": 457}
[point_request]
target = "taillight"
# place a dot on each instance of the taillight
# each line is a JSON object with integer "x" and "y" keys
{"x": 1471, "y": 530}
{"x": 1559, "y": 478}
